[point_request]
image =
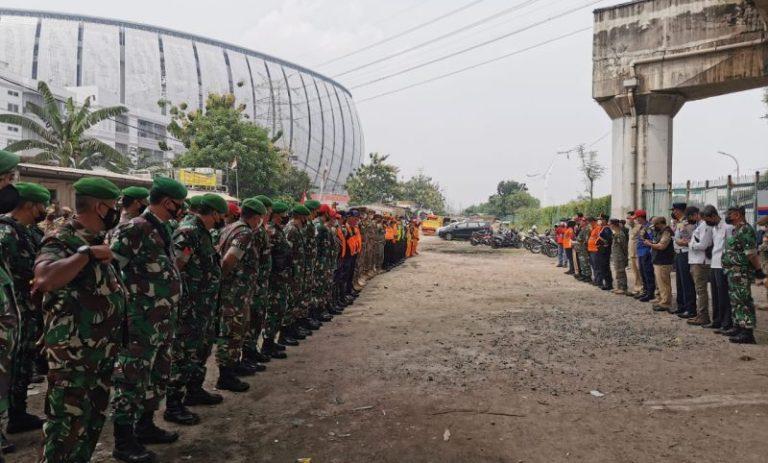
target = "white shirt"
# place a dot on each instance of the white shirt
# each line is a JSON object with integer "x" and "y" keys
{"x": 720, "y": 233}
{"x": 700, "y": 241}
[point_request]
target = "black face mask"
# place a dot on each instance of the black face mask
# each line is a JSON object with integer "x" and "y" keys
{"x": 9, "y": 199}
{"x": 110, "y": 219}
{"x": 285, "y": 220}
{"x": 142, "y": 208}
{"x": 710, "y": 223}
{"x": 40, "y": 217}
{"x": 728, "y": 221}
{"x": 219, "y": 224}
{"x": 692, "y": 222}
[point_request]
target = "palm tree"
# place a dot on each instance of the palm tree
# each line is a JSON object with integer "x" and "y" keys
{"x": 62, "y": 138}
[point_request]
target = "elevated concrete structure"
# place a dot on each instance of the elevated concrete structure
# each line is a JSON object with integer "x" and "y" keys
{"x": 650, "y": 57}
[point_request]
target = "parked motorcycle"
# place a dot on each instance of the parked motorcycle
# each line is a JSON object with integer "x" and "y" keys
{"x": 481, "y": 237}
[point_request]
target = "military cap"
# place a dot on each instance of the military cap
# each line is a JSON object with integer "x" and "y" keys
{"x": 312, "y": 204}
{"x": 215, "y": 202}
{"x": 678, "y": 207}
{"x": 136, "y": 192}
{"x": 195, "y": 201}
{"x": 169, "y": 187}
{"x": 300, "y": 210}
{"x": 264, "y": 200}
{"x": 33, "y": 192}
{"x": 279, "y": 207}
{"x": 97, "y": 187}
{"x": 255, "y": 205}
{"x": 8, "y": 161}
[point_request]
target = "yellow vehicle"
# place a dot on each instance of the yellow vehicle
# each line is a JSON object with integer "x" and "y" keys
{"x": 430, "y": 224}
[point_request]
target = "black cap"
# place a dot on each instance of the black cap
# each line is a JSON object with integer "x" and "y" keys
{"x": 709, "y": 211}
{"x": 615, "y": 222}
{"x": 691, "y": 210}
{"x": 678, "y": 206}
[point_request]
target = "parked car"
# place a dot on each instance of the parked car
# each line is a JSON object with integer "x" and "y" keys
{"x": 462, "y": 230}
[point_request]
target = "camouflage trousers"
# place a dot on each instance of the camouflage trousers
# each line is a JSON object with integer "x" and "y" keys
{"x": 8, "y": 332}
{"x": 620, "y": 273}
{"x": 75, "y": 408}
{"x": 740, "y": 295}
{"x": 24, "y": 356}
{"x": 583, "y": 258}
{"x": 278, "y": 306}
{"x": 258, "y": 322}
{"x": 192, "y": 343}
{"x": 234, "y": 323}
{"x": 143, "y": 368}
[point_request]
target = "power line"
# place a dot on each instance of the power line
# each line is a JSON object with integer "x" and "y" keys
{"x": 403, "y": 33}
{"x": 440, "y": 37}
{"x": 478, "y": 45}
{"x": 467, "y": 68}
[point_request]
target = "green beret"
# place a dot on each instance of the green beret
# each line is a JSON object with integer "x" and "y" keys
{"x": 279, "y": 207}
{"x": 264, "y": 200}
{"x": 33, "y": 192}
{"x": 136, "y": 192}
{"x": 312, "y": 204}
{"x": 8, "y": 161}
{"x": 215, "y": 202}
{"x": 97, "y": 187}
{"x": 195, "y": 201}
{"x": 255, "y": 205}
{"x": 300, "y": 210}
{"x": 169, "y": 187}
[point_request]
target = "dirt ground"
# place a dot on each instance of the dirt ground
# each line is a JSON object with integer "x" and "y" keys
{"x": 473, "y": 355}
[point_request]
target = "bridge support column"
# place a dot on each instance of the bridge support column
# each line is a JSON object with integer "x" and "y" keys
{"x": 641, "y": 147}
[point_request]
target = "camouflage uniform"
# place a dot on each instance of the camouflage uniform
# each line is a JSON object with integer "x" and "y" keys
{"x": 322, "y": 276}
{"x": 620, "y": 259}
{"x": 237, "y": 292}
{"x": 738, "y": 268}
{"x": 581, "y": 251}
{"x": 380, "y": 237}
{"x": 295, "y": 237}
{"x": 310, "y": 268}
{"x": 261, "y": 298}
{"x": 279, "y": 279}
{"x": 143, "y": 249}
{"x": 18, "y": 249}
{"x": 82, "y": 332}
{"x": 198, "y": 309}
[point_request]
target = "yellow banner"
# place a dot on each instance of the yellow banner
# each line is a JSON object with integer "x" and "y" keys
{"x": 190, "y": 178}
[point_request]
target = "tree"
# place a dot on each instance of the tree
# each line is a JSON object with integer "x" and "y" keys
{"x": 221, "y": 137}
{"x": 510, "y": 196}
{"x": 591, "y": 169}
{"x": 62, "y": 137}
{"x": 374, "y": 182}
{"x": 423, "y": 191}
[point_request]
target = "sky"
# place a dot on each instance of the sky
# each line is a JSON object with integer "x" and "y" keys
{"x": 504, "y": 120}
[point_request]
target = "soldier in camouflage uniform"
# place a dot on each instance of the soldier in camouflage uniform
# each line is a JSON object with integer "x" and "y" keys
{"x": 83, "y": 303}
{"x": 251, "y": 353}
{"x": 295, "y": 235}
{"x": 740, "y": 261}
{"x": 311, "y": 250}
{"x": 239, "y": 284}
{"x": 133, "y": 202}
{"x": 143, "y": 249}
{"x": 200, "y": 270}
{"x": 18, "y": 249}
{"x": 619, "y": 257}
{"x": 580, "y": 246}
{"x": 279, "y": 280}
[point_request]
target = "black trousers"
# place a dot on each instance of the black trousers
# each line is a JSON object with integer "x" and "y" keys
{"x": 646, "y": 271}
{"x": 721, "y": 303}
{"x": 569, "y": 255}
{"x": 603, "y": 264}
{"x": 686, "y": 291}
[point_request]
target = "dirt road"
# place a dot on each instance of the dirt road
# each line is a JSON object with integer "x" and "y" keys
{"x": 473, "y": 355}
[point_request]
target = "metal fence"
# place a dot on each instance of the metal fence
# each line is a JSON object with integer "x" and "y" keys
{"x": 722, "y": 193}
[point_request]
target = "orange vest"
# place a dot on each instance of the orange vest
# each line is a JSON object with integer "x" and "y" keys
{"x": 343, "y": 241}
{"x": 593, "y": 236}
{"x": 567, "y": 238}
{"x": 389, "y": 233}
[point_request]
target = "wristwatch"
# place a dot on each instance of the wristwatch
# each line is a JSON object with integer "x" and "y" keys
{"x": 85, "y": 250}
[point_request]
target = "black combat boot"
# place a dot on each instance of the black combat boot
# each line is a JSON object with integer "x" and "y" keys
{"x": 285, "y": 339}
{"x": 147, "y": 432}
{"x": 18, "y": 419}
{"x": 127, "y": 449}
{"x": 228, "y": 381}
{"x": 5, "y": 445}
{"x": 252, "y": 359}
{"x": 293, "y": 332}
{"x": 334, "y": 310}
{"x": 196, "y": 395}
{"x": 244, "y": 369}
{"x": 175, "y": 412}
{"x": 745, "y": 336}
{"x": 270, "y": 348}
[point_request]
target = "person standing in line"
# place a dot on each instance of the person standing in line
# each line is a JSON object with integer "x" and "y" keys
{"x": 663, "y": 257}
{"x": 593, "y": 233}
{"x": 279, "y": 280}
{"x": 568, "y": 246}
{"x": 721, "y": 304}
{"x": 133, "y": 202}
{"x": 619, "y": 256}
{"x": 762, "y": 250}
{"x": 686, "y": 292}
{"x": 741, "y": 265}
{"x": 83, "y": 302}
{"x": 603, "y": 258}
{"x": 559, "y": 233}
{"x": 645, "y": 257}
{"x": 634, "y": 266}
{"x": 699, "y": 258}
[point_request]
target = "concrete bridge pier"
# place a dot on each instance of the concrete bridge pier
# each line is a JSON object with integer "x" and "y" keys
{"x": 642, "y": 145}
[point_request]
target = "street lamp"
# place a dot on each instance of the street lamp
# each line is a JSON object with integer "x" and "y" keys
{"x": 738, "y": 171}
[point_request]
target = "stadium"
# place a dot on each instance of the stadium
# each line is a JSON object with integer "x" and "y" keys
{"x": 147, "y": 68}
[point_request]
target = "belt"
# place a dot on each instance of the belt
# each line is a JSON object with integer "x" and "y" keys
{"x": 681, "y": 251}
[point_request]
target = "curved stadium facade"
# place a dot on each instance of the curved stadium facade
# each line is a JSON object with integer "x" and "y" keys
{"x": 140, "y": 66}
